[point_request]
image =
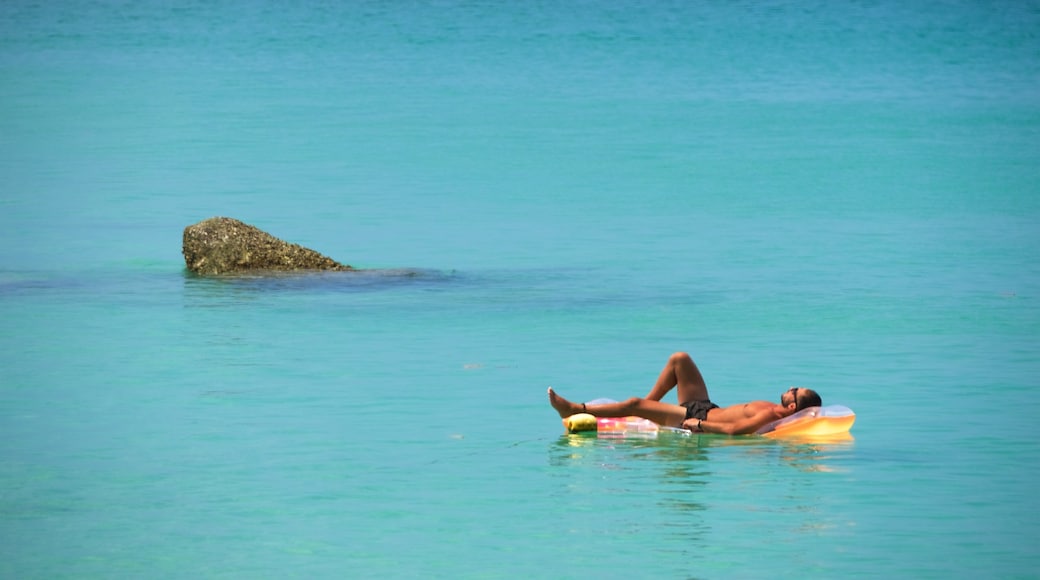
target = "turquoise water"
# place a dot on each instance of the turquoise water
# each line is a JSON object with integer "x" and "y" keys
{"x": 835, "y": 195}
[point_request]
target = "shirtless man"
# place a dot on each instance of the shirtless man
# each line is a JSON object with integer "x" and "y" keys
{"x": 694, "y": 411}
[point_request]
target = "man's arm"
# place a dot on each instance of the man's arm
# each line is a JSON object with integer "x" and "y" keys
{"x": 742, "y": 426}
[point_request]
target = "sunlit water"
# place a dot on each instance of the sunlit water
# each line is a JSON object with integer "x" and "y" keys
{"x": 841, "y": 197}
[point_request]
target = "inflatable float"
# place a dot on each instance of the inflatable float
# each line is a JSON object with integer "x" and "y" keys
{"x": 811, "y": 422}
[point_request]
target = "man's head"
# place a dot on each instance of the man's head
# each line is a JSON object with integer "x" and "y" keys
{"x": 801, "y": 398}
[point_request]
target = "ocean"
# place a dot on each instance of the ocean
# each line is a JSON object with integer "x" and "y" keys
{"x": 837, "y": 195}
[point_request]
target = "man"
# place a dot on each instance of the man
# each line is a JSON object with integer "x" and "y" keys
{"x": 694, "y": 411}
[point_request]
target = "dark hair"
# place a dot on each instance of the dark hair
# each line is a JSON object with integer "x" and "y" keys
{"x": 808, "y": 398}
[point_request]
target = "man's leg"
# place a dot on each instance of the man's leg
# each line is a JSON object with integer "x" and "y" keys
{"x": 661, "y": 413}
{"x": 680, "y": 371}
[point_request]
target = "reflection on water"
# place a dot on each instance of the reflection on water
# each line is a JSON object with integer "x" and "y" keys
{"x": 703, "y": 489}
{"x": 204, "y": 290}
{"x": 706, "y": 491}
{"x": 819, "y": 454}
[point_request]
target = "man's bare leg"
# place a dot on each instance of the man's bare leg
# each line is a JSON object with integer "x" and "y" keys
{"x": 661, "y": 413}
{"x": 680, "y": 371}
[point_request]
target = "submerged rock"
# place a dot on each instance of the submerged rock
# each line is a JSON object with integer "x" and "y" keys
{"x": 222, "y": 245}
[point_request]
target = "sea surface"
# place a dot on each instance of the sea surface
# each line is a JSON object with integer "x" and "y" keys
{"x": 838, "y": 195}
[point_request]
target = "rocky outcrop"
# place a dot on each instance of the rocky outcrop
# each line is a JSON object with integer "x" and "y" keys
{"x": 223, "y": 245}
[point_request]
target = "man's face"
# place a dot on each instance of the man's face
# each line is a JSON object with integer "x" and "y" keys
{"x": 790, "y": 396}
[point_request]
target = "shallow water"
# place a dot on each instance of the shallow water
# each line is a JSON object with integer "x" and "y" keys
{"x": 841, "y": 197}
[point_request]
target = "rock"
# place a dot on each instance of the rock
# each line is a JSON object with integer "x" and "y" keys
{"x": 223, "y": 245}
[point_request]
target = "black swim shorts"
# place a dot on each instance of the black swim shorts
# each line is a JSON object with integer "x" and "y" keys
{"x": 699, "y": 409}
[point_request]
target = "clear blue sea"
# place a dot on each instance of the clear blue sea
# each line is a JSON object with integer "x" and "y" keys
{"x": 838, "y": 195}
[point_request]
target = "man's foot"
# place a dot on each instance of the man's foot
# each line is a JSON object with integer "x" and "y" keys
{"x": 564, "y": 407}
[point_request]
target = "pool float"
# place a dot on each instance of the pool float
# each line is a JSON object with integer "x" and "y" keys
{"x": 617, "y": 426}
{"x": 833, "y": 420}
{"x": 812, "y": 422}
